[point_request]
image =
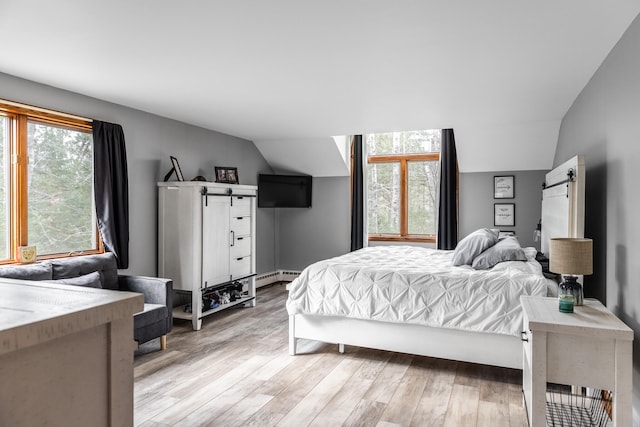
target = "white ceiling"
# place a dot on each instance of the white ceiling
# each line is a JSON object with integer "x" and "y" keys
{"x": 502, "y": 73}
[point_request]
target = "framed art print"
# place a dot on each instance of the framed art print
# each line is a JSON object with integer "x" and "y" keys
{"x": 176, "y": 168}
{"x": 504, "y": 187}
{"x": 226, "y": 175}
{"x": 504, "y": 214}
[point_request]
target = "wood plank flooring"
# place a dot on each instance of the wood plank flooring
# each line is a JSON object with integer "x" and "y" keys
{"x": 236, "y": 371}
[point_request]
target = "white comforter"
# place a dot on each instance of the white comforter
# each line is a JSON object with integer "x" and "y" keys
{"x": 418, "y": 285}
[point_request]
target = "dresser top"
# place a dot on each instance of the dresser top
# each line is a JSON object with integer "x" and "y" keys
{"x": 33, "y": 312}
{"x": 590, "y": 319}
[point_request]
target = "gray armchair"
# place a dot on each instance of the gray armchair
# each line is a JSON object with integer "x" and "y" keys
{"x": 156, "y": 320}
{"x": 100, "y": 271}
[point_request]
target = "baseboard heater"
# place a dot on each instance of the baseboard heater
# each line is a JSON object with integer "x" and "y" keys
{"x": 265, "y": 279}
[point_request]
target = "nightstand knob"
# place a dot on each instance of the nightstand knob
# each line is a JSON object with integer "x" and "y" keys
{"x": 523, "y": 336}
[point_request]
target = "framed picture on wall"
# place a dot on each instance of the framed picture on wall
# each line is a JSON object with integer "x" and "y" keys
{"x": 504, "y": 187}
{"x": 504, "y": 214}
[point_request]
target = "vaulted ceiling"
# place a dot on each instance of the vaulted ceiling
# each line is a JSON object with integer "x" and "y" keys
{"x": 501, "y": 73}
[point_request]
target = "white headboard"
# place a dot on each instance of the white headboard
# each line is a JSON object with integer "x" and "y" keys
{"x": 563, "y": 202}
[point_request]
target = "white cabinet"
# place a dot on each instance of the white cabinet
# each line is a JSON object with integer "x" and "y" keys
{"x": 588, "y": 348}
{"x": 206, "y": 244}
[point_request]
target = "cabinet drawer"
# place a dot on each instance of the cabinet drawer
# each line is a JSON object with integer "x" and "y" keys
{"x": 240, "y": 266}
{"x": 241, "y": 247}
{"x": 241, "y": 225}
{"x": 240, "y": 206}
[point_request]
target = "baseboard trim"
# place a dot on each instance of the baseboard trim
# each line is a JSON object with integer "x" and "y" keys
{"x": 265, "y": 279}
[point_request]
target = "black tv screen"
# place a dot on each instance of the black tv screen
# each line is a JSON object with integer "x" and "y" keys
{"x": 284, "y": 191}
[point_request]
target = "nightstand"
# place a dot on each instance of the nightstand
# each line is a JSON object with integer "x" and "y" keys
{"x": 588, "y": 348}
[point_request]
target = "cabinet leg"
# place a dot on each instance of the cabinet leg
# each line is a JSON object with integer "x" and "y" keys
{"x": 197, "y": 324}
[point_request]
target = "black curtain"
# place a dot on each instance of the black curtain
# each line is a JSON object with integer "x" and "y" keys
{"x": 357, "y": 193}
{"x": 111, "y": 189}
{"x": 448, "y": 207}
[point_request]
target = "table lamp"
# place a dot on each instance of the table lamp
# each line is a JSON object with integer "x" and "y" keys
{"x": 571, "y": 257}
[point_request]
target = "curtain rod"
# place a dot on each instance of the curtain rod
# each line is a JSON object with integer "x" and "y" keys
{"x": 44, "y": 110}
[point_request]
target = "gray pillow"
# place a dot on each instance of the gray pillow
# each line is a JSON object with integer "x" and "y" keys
{"x": 473, "y": 245}
{"x": 91, "y": 280}
{"x": 507, "y": 249}
{"x": 39, "y": 271}
{"x": 76, "y": 266}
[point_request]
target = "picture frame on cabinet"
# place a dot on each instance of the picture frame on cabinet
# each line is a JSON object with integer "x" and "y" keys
{"x": 175, "y": 167}
{"x": 226, "y": 175}
{"x": 504, "y": 187}
{"x": 504, "y": 214}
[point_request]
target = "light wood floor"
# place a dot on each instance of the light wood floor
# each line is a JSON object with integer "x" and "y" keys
{"x": 236, "y": 371}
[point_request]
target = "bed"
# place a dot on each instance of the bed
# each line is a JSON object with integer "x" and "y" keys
{"x": 413, "y": 300}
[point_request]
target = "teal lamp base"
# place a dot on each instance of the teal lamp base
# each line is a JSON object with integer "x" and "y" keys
{"x": 571, "y": 285}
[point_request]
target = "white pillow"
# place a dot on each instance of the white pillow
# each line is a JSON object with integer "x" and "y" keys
{"x": 473, "y": 245}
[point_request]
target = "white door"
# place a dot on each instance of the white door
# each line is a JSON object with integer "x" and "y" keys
{"x": 216, "y": 240}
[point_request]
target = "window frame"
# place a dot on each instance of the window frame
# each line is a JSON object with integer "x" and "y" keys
{"x": 19, "y": 115}
{"x": 403, "y": 160}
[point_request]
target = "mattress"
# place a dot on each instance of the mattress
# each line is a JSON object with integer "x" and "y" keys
{"x": 407, "y": 284}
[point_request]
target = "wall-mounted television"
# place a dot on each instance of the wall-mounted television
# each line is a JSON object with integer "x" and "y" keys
{"x": 284, "y": 191}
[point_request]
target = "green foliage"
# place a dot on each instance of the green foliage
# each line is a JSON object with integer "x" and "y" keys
{"x": 423, "y": 189}
{"x": 413, "y": 142}
{"x": 60, "y": 193}
{"x": 383, "y": 183}
{"x": 384, "y": 198}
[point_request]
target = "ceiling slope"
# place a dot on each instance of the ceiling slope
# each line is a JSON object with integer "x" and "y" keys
{"x": 502, "y": 73}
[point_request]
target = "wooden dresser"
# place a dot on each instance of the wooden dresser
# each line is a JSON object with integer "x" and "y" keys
{"x": 66, "y": 355}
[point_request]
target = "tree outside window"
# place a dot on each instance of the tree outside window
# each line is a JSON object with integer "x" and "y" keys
{"x": 402, "y": 185}
{"x": 46, "y": 183}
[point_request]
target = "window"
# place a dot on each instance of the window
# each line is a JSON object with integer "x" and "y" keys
{"x": 46, "y": 183}
{"x": 402, "y": 185}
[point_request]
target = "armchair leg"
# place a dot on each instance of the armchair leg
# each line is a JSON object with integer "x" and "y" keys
{"x": 163, "y": 342}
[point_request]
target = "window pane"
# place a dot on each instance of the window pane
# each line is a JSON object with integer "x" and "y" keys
{"x": 383, "y": 200}
{"x": 61, "y": 213}
{"x": 4, "y": 188}
{"x": 420, "y": 141}
{"x": 422, "y": 191}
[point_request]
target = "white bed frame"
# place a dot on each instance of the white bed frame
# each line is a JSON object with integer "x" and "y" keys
{"x": 476, "y": 347}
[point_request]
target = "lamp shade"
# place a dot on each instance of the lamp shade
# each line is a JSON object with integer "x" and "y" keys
{"x": 571, "y": 256}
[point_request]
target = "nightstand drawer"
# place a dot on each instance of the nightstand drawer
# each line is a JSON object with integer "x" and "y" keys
{"x": 580, "y": 356}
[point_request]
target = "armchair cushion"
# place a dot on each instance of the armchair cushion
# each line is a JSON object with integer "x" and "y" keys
{"x": 91, "y": 280}
{"x": 39, "y": 271}
{"x": 105, "y": 264}
{"x": 152, "y": 313}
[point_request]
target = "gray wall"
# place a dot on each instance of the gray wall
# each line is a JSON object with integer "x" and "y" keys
{"x": 322, "y": 231}
{"x": 150, "y": 140}
{"x": 603, "y": 124}
{"x": 476, "y": 203}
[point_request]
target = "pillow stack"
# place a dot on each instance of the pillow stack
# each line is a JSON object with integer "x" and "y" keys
{"x": 482, "y": 249}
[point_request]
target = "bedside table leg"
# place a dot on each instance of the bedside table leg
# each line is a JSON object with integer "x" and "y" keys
{"x": 538, "y": 405}
{"x": 623, "y": 386}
